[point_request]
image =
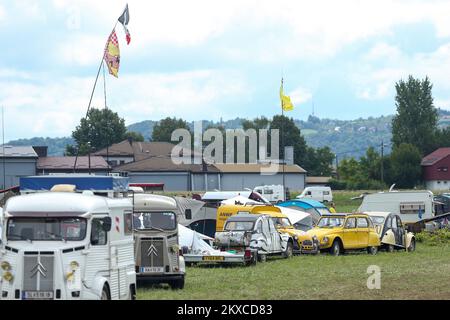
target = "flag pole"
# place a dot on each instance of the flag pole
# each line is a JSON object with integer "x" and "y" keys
{"x": 90, "y": 100}
{"x": 282, "y": 141}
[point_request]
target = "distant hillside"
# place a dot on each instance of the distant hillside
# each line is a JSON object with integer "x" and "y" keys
{"x": 347, "y": 138}
{"x": 56, "y": 146}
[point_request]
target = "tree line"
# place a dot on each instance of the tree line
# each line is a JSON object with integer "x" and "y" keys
{"x": 415, "y": 134}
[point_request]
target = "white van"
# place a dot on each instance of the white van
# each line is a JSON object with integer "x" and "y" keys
{"x": 273, "y": 193}
{"x": 321, "y": 194}
{"x": 61, "y": 246}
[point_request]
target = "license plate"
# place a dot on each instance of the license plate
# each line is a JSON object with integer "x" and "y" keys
{"x": 213, "y": 258}
{"x": 38, "y": 295}
{"x": 152, "y": 269}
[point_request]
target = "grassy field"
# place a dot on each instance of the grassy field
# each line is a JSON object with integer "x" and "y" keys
{"x": 424, "y": 274}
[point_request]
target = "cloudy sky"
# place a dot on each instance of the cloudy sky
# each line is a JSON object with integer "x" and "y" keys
{"x": 207, "y": 59}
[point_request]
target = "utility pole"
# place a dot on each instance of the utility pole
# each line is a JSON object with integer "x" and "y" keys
{"x": 382, "y": 162}
{"x": 337, "y": 167}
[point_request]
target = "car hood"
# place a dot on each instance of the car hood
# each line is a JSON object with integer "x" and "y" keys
{"x": 321, "y": 232}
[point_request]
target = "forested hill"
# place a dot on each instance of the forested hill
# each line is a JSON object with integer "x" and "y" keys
{"x": 347, "y": 138}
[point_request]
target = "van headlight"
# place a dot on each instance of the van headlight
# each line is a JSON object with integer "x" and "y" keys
{"x": 6, "y": 266}
{"x": 8, "y": 276}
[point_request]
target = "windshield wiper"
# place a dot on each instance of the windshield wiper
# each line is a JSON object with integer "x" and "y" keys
{"x": 16, "y": 235}
{"x": 156, "y": 228}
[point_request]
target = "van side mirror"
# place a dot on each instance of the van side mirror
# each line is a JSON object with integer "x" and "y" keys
{"x": 107, "y": 223}
{"x": 188, "y": 214}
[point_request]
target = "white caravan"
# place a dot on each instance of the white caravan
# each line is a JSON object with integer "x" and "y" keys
{"x": 59, "y": 246}
{"x": 273, "y": 193}
{"x": 411, "y": 206}
{"x": 321, "y": 194}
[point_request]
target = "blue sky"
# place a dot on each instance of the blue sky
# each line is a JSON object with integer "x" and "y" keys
{"x": 211, "y": 59}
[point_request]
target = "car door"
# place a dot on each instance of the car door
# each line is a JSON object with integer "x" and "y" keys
{"x": 362, "y": 224}
{"x": 400, "y": 234}
{"x": 276, "y": 237}
{"x": 267, "y": 236}
{"x": 350, "y": 233}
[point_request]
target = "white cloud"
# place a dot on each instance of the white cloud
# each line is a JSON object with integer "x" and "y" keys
{"x": 300, "y": 95}
{"x": 54, "y": 108}
{"x": 375, "y": 82}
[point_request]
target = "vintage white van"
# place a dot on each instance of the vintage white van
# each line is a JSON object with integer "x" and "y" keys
{"x": 61, "y": 245}
{"x": 157, "y": 250}
{"x": 321, "y": 194}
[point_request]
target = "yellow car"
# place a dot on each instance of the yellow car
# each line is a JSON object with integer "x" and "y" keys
{"x": 302, "y": 241}
{"x": 340, "y": 232}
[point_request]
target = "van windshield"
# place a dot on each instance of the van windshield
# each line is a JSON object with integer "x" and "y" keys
{"x": 239, "y": 226}
{"x": 46, "y": 229}
{"x": 155, "y": 220}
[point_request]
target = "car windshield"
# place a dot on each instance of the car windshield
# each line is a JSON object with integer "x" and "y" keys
{"x": 46, "y": 229}
{"x": 281, "y": 222}
{"x": 331, "y": 222}
{"x": 154, "y": 220}
{"x": 377, "y": 220}
{"x": 239, "y": 226}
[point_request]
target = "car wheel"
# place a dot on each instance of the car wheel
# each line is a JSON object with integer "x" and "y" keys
{"x": 105, "y": 293}
{"x": 372, "y": 250}
{"x": 335, "y": 248}
{"x": 262, "y": 258}
{"x": 289, "y": 251}
{"x": 391, "y": 248}
{"x": 412, "y": 246}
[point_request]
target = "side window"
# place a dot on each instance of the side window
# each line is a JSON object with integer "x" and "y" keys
{"x": 98, "y": 234}
{"x": 362, "y": 223}
{"x": 351, "y": 223}
{"x": 128, "y": 223}
{"x": 394, "y": 223}
{"x": 399, "y": 222}
{"x": 272, "y": 226}
{"x": 389, "y": 222}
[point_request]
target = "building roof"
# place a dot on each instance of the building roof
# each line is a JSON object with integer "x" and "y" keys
{"x": 163, "y": 164}
{"x": 317, "y": 180}
{"x": 67, "y": 163}
{"x": 18, "y": 152}
{"x": 436, "y": 156}
{"x": 256, "y": 168}
{"x": 138, "y": 150}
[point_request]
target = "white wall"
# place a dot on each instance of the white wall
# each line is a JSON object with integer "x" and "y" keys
{"x": 438, "y": 185}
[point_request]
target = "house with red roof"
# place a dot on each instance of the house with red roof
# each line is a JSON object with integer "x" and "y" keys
{"x": 435, "y": 170}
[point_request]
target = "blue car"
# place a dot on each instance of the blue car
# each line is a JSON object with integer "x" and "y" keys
{"x": 313, "y": 207}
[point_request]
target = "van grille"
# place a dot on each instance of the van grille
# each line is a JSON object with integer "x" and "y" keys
{"x": 152, "y": 253}
{"x": 38, "y": 273}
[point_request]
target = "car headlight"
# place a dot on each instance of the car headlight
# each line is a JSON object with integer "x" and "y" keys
{"x": 8, "y": 276}
{"x": 295, "y": 238}
{"x": 174, "y": 248}
{"x": 325, "y": 240}
{"x": 314, "y": 238}
{"x": 74, "y": 265}
{"x": 6, "y": 266}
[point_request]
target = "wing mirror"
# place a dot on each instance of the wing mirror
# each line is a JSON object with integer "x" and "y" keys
{"x": 107, "y": 223}
{"x": 188, "y": 214}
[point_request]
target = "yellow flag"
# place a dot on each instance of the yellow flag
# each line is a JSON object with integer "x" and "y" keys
{"x": 286, "y": 103}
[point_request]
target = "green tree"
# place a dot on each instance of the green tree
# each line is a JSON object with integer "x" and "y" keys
{"x": 318, "y": 162}
{"x": 405, "y": 162}
{"x": 290, "y": 135}
{"x": 100, "y": 129}
{"x": 416, "y": 119}
{"x": 135, "y": 136}
{"x": 162, "y": 131}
